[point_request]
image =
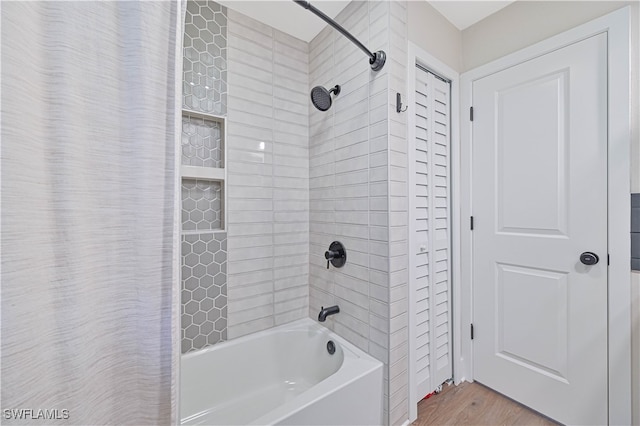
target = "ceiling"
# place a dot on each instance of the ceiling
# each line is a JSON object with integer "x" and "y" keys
{"x": 290, "y": 18}
{"x": 287, "y": 16}
{"x": 463, "y": 14}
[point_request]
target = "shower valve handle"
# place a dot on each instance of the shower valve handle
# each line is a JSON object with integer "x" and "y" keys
{"x": 336, "y": 255}
{"x": 331, "y": 254}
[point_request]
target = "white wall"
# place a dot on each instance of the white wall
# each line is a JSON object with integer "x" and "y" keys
{"x": 524, "y": 23}
{"x": 432, "y": 32}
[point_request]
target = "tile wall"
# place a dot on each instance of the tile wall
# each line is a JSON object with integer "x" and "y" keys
{"x": 204, "y": 79}
{"x": 204, "y": 247}
{"x": 268, "y": 177}
{"x": 204, "y": 291}
{"x": 299, "y": 179}
{"x": 635, "y": 232}
{"x": 357, "y": 190}
{"x": 398, "y": 218}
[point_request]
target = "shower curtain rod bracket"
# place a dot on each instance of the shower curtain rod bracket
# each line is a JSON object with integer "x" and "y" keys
{"x": 376, "y": 60}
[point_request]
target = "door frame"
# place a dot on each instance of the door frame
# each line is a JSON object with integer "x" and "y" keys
{"x": 416, "y": 55}
{"x": 617, "y": 26}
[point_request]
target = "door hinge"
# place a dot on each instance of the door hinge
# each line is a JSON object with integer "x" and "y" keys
{"x": 471, "y": 331}
{"x": 471, "y": 113}
{"x": 471, "y": 222}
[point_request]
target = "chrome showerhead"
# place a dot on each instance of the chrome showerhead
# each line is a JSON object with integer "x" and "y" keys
{"x": 321, "y": 97}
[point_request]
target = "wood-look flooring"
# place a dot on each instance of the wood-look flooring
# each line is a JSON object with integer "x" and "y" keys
{"x": 474, "y": 404}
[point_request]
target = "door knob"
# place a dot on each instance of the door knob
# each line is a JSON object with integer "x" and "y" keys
{"x": 589, "y": 258}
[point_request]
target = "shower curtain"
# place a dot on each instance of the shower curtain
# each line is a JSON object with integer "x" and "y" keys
{"x": 88, "y": 183}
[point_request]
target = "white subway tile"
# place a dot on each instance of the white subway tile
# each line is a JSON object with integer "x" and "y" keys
{"x": 378, "y": 130}
{"x": 239, "y": 156}
{"x": 241, "y": 329}
{"x": 398, "y": 218}
{"x": 242, "y": 266}
{"x": 378, "y": 203}
{"x": 241, "y": 292}
{"x": 238, "y": 20}
{"x": 249, "y": 253}
{"x": 378, "y": 352}
{"x": 250, "y": 107}
{"x": 286, "y": 283}
{"x": 249, "y": 229}
{"x": 378, "y": 174}
{"x": 379, "y": 293}
{"x": 248, "y": 70}
{"x": 297, "y": 259}
{"x": 252, "y": 192}
{"x": 352, "y": 204}
{"x": 291, "y": 41}
{"x": 292, "y": 172}
{"x": 379, "y": 308}
{"x": 299, "y": 312}
{"x": 398, "y": 307}
{"x": 353, "y": 337}
{"x": 378, "y": 337}
{"x": 255, "y": 169}
{"x": 355, "y": 231}
{"x": 350, "y": 178}
{"x": 352, "y": 323}
{"x": 377, "y": 10}
{"x": 263, "y": 300}
{"x": 239, "y": 180}
{"x": 237, "y": 114}
{"x": 378, "y": 114}
{"x": 397, "y": 353}
{"x": 296, "y": 271}
{"x": 292, "y": 293}
{"x": 237, "y": 243}
{"x": 284, "y": 50}
{"x": 247, "y": 130}
{"x": 380, "y": 278}
{"x": 357, "y": 285}
{"x": 379, "y": 263}
{"x": 379, "y": 233}
{"x": 398, "y": 293}
{"x": 284, "y": 228}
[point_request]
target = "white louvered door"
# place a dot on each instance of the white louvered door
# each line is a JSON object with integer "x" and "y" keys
{"x": 430, "y": 240}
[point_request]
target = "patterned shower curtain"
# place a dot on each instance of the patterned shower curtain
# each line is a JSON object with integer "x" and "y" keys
{"x": 88, "y": 184}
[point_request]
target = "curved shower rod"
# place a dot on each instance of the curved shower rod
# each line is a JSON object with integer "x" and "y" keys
{"x": 376, "y": 60}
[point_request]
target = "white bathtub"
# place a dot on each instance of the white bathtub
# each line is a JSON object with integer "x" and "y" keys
{"x": 285, "y": 376}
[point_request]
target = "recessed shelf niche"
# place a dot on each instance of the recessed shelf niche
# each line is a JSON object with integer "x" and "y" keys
{"x": 203, "y": 172}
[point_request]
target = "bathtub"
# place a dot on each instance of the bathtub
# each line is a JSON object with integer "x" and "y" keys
{"x": 285, "y": 376}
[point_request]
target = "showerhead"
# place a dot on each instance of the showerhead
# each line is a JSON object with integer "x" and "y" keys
{"x": 321, "y": 97}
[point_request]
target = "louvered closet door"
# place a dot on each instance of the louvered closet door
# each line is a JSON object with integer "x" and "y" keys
{"x": 430, "y": 241}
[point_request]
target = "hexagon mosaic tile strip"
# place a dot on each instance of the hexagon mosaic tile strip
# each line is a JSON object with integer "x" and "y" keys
{"x": 204, "y": 66}
{"x": 201, "y": 142}
{"x": 204, "y": 290}
{"x": 201, "y": 205}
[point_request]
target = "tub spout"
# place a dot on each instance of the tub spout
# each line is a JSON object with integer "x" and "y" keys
{"x": 325, "y": 312}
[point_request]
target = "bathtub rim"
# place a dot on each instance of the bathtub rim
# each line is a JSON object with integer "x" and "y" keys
{"x": 355, "y": 365}
{"x": 296, "y": 325}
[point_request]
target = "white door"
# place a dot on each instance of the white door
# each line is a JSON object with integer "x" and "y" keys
{"x": 430, "y": 239}
{"x": 539, "y": 201}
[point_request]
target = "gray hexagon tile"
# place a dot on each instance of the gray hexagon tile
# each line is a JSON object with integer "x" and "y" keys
{"x": 201, "y": 205}
{"x": 204, "y": 82}
{"x": 201, "y": 142}
{"x": 204, "y": 290}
